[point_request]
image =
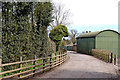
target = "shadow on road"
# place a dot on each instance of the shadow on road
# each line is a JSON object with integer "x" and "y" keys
{"x": 80, "y": 67}
{"x": 77, "y": 75}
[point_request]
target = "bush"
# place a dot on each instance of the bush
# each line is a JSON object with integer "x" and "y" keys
{"x": 102, "y": 54}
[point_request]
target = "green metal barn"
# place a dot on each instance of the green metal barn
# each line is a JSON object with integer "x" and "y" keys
{"x": 68, "y": 47}
{"x": 106, "y": 40}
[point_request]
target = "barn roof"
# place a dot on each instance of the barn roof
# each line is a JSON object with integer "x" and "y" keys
{"x": 93, "y": 34}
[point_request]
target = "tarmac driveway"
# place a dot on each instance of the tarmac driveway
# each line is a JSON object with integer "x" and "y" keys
{"x": 82, "y": 66}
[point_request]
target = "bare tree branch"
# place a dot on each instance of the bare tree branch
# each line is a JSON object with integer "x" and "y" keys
{"x": 61, "y": 16}
{"x": 73, "y": 34}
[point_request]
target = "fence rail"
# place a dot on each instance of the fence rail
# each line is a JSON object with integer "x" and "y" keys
{"x": 107, "y": 56}
{"x": 51, "y": 62}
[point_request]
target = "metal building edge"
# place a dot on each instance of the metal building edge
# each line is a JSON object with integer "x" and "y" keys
{"x": 119, "y": 38}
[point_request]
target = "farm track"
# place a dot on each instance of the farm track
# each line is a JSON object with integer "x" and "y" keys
{"x": 81, "y": 66}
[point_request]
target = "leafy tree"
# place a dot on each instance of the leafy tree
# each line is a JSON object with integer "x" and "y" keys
{"x": 67, "y": 41}
{"x": 57, "y": 34}
{"x": 63, "y": 43}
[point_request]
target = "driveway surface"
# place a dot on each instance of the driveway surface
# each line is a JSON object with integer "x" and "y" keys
{"x": 82, "y": 66}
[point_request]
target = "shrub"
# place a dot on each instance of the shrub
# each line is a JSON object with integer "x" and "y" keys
{"x": 102, "y": 54}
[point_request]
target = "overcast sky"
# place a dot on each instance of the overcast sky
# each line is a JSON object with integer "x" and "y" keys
{"x": 92, "y": 15}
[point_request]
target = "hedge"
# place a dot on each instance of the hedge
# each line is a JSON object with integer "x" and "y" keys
{"x": 102, "y": 54}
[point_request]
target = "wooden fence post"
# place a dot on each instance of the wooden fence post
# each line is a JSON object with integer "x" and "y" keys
{"x": 20, "y": 65}
{"x": 109, "y": 57}
{"x": 55, "y": 58}
{"x": 113, "y": 58}
{"x": 43, "y": 65}
{"x": 0, "y": 66}
{"x": 29, "y": 72}
{"x": 116, "y": 60}
{"x": 62, "y": 56}
{"x": 50, "y": 61}
{"x": 34, "y": 64}
{"x": 106, "y": 57}
{"x": 59, "y": 57}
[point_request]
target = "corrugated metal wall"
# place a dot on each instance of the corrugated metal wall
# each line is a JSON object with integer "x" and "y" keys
{"x": 85, "y": 45}
{"x": 107, "y": 40}
{"x": 119, "y": 47}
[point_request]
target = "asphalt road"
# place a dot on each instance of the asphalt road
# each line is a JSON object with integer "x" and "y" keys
{"x": 82, "y": 66}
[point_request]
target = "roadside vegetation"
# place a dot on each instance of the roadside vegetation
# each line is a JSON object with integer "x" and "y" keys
{"x": 25, "y": 33}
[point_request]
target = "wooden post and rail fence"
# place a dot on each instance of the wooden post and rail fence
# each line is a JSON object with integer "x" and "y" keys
{"x": 37, "y": 67}
{"x": 104, "y": 55}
